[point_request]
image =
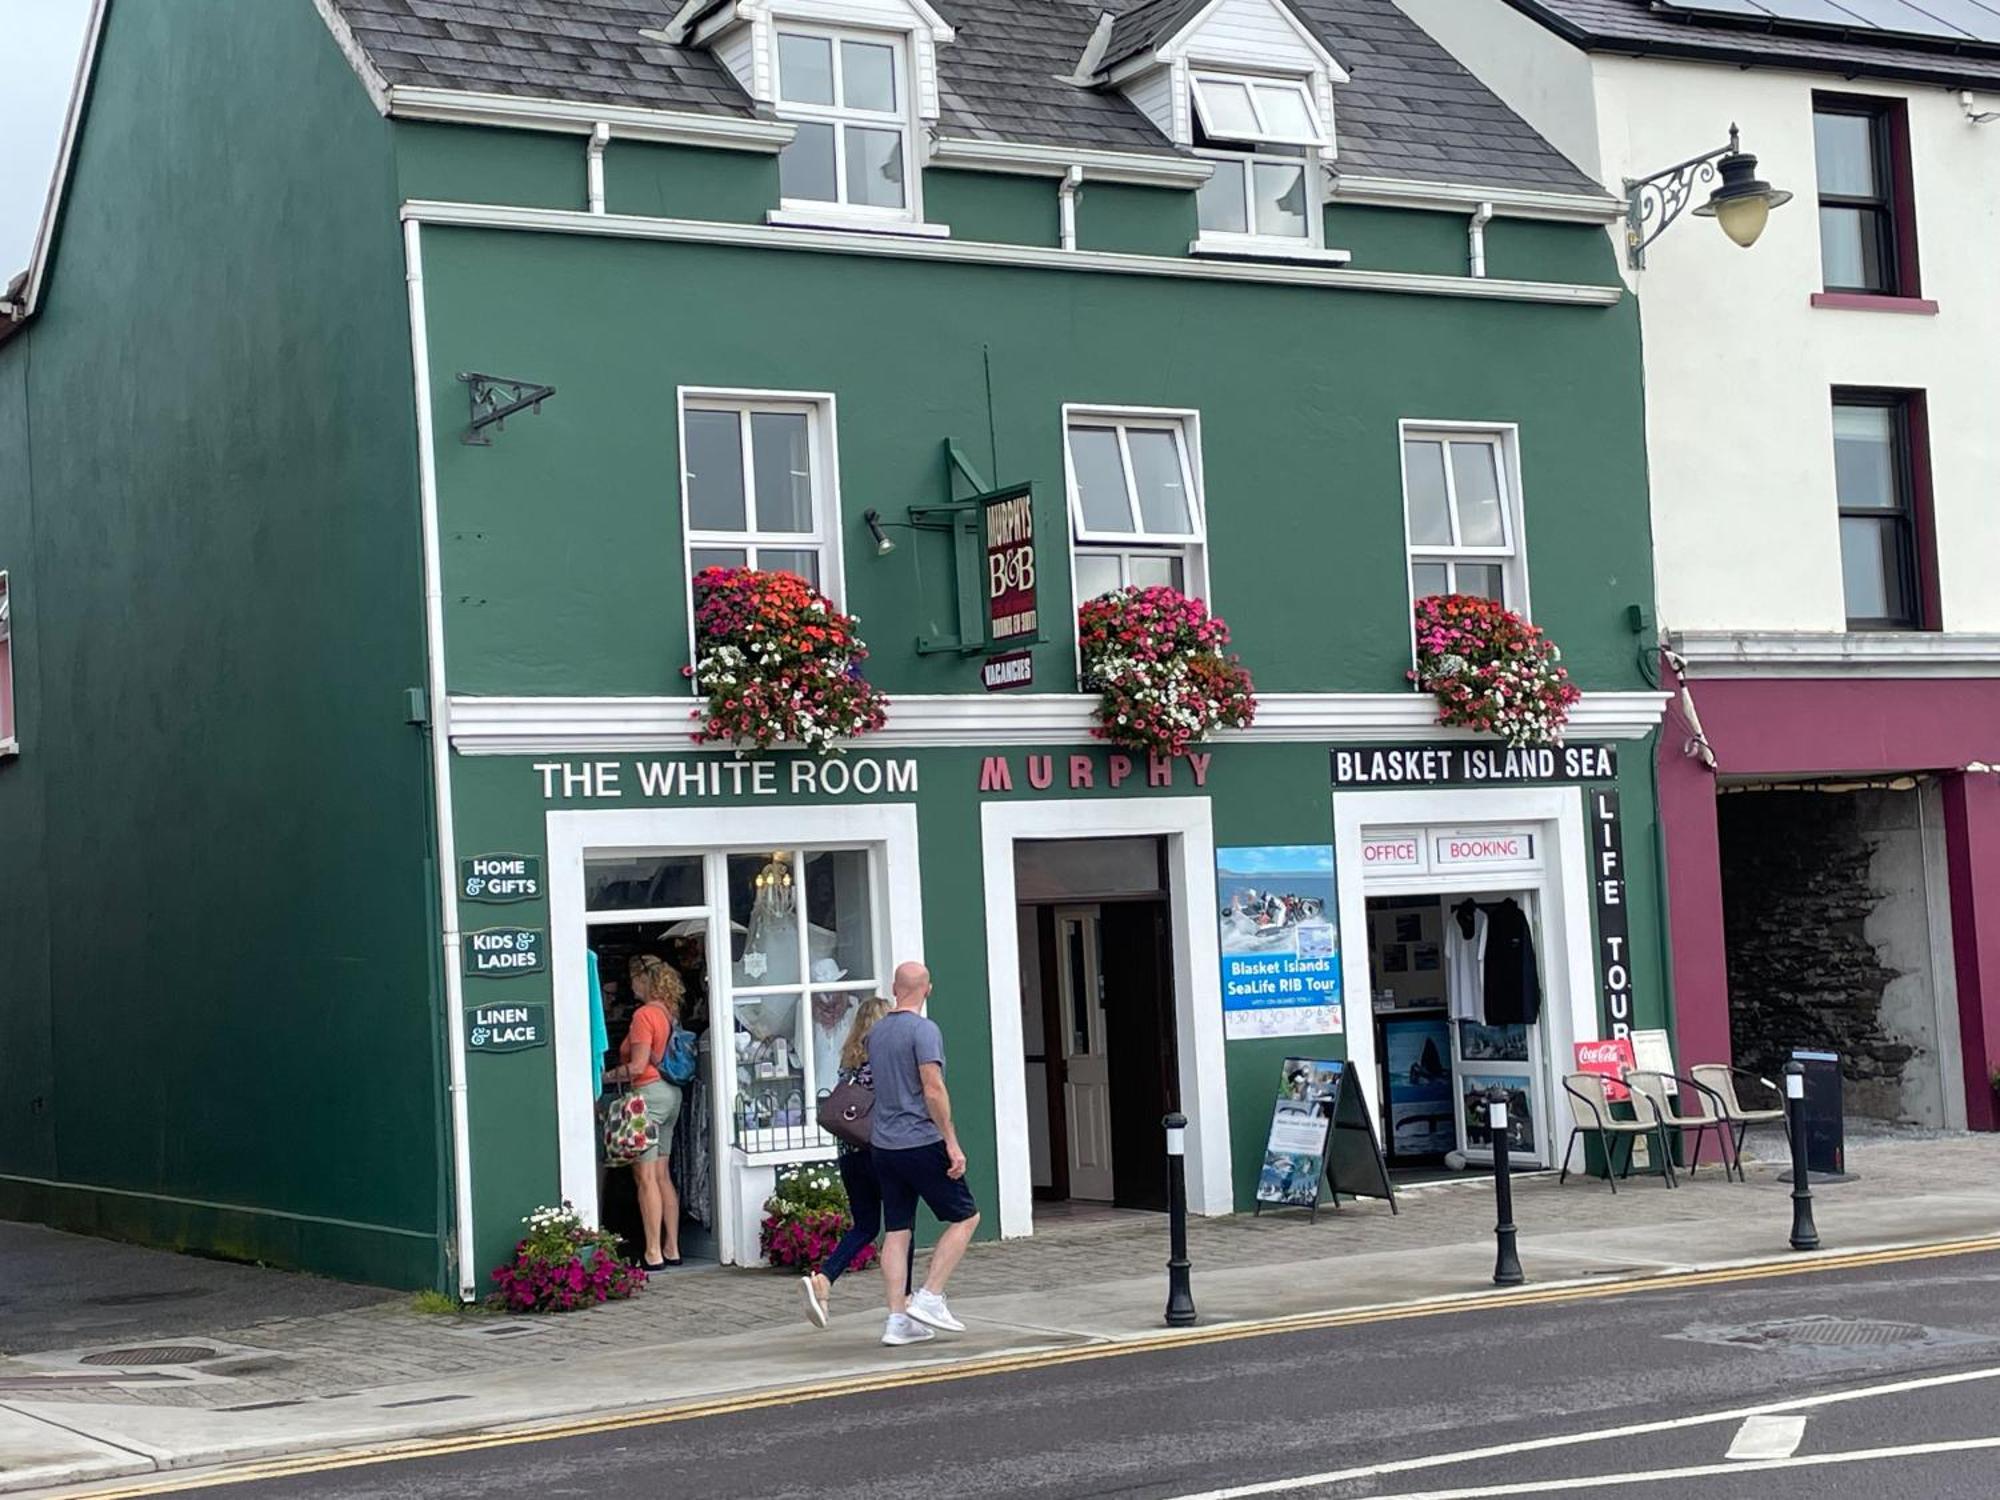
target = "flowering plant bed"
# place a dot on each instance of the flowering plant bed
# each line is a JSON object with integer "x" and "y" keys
{"x": 1156, "y": 659}
{"x": 778, "y": 663}
{"x": 1491, "y": 670}
{"x": 804, "y": 1218}
{"x": 562, "y": 1263}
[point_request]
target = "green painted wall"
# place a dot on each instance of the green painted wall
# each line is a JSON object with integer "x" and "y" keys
{"x": 1261, "y": 794}
{"x": 563, "y": 540}
{"x": 1135, "y": 220}
{"x": 467, "y": 164}
{"x": 215, "y": 966}
{"x": 995, "y": 206}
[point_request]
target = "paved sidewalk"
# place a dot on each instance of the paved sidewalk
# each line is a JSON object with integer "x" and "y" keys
{"x": 329, "y": 1376}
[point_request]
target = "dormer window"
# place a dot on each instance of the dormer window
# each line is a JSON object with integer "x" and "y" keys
{"x": 849, "y": 93}
{"x": 1265, "y": 137}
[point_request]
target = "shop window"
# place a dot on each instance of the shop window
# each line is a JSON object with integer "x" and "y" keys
{"x": 849, "y": 96}
{"x": 805, "y": 952}
{"x": 1878, "y": 463}
{"x": 1265, "y": 137}
{"x": 756, "y": 486}
{"x": 1867, "y": 222}
{"x": 1462, "y": 510}
{"x": 649, "y": 882}
{"x": 1135, "y": 501}
{"x": 9, "y": 741}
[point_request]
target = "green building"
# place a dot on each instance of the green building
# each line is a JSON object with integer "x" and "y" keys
{"x": 348, "y": 737}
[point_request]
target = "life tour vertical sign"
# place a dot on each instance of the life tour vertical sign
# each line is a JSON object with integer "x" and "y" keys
{"x": 1614, "y": 955}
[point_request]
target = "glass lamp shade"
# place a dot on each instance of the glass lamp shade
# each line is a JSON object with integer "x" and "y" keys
{"x": 1742, "y": 204}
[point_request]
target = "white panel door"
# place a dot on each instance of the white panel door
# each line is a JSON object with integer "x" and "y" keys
{"x": 1087, "y": 1070}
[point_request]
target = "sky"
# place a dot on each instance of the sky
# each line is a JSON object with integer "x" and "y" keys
{"x": 39, "y": 42}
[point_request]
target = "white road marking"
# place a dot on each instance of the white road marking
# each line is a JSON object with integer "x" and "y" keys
{"x": 1768, "y": 1437}
{"x": 1566, "y": 1440}
{"x": 1696, "y": 1471}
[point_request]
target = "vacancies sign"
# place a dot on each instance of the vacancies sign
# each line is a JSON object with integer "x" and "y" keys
{"x": 1472, "y": 765}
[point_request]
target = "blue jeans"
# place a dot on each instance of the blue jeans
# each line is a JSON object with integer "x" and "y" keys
{"x": 864, "y": 1203}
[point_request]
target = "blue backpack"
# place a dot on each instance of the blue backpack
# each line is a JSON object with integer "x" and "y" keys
{"x": 682, "y": 1057}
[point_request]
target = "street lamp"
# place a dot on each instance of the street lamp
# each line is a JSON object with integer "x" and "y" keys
{"x": 1741, "y": 205}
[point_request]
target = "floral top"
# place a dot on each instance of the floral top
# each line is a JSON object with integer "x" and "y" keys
{"x": 866, "y": 1078}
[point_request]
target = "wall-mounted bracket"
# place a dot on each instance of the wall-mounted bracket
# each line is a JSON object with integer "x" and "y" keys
{"x": 962, "y": 521}
{"x": 494, "y": 399}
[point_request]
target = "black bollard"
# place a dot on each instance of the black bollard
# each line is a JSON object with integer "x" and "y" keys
{"x": 1805, "y": 1234}
{"x": 1180, "y": 1296}
{"x": 1506, "y": 1260}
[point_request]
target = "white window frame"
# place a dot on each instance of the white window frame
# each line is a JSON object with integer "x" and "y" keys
{"x": 903, "y": 119}
{"x": 1192, "y": 545}
{"x": 1309, "y": 158}
{"x": 10, "y": 724}
{"x": 824, "y": 447}
{"x": 1512, "y": 555}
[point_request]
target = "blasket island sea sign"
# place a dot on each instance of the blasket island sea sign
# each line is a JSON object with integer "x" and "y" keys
{"x": 506, "y": 1028}
{"x": 504, "y": 952}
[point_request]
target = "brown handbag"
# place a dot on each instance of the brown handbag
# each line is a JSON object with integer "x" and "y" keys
{"x": 847, "y": 1113}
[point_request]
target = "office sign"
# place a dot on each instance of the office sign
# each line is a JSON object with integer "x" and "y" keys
{"x": 1472, "y": 765}
{"x": 497, "y": 879}
{"x": 1007, "y": 525}
{"x": 504, "y": 952}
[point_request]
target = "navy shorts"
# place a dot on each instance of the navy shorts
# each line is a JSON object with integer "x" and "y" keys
{"x": 920, "y": 1173}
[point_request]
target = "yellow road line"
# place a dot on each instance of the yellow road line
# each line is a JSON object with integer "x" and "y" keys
{"x": 1005, "y": 1364}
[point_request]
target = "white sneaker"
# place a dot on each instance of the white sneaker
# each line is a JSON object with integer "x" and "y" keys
{"x": 929, "y": 1307}
{"x": 815, "y": 1309}
{"x": 903, "y": 1329}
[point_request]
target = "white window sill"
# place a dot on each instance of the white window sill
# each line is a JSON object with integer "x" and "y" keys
{"x": 804, "y": 218}
{"x": 1252, "y": 249}
{"x": 783, "y": 1156}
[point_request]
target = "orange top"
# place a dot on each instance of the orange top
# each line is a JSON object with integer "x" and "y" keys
{"x": 654, "y": 1026}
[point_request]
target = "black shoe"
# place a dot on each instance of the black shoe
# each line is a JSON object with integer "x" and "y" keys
{"x": 654, "y": 1267}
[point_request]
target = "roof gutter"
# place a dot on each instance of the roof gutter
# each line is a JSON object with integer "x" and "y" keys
{"x": 1025, "y": 159}
{"x": 1455, "y": 197}
{"x": 580, "y": 117}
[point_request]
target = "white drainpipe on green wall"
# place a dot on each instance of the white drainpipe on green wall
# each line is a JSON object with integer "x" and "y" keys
{"x": 600, "y": 137}
{"x": 440, "y": 712}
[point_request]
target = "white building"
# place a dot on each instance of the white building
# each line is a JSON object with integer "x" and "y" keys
{"x": 1825, "y": 474}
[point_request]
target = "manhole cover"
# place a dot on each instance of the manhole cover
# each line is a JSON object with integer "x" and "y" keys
{"x": 159, "y": 1354}
{"x": 1842, "y": 1331}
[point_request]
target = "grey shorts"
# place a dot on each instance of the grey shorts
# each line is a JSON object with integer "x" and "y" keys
{"x": 663, "y": 1108}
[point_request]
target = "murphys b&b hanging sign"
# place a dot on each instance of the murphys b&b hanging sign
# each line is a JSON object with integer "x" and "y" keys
{"x": 1007, "y": 527}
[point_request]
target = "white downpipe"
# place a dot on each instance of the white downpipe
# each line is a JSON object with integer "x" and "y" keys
{"x": 1072, "y": 182}
{"x": 600, "y": 137}
{"x": 1476, "y": 235}
{"x": 440, "y": 716}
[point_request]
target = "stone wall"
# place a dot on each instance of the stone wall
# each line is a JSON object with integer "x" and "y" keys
{"x": 1818, "y": 890}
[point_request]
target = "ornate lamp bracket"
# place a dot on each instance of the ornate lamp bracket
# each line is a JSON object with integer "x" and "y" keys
{"x": 494, "y": 399}
{"x": 1652, "y": 203}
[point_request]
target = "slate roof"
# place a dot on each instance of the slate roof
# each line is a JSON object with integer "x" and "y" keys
{"x": 1637, "y": 27}
{"x": 1142, "y": 27}
{"x": 1410, "y": 110}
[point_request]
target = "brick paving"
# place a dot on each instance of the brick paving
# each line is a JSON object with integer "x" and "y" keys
{"x": 328, "y": 1354}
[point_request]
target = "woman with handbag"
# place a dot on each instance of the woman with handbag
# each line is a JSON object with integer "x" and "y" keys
{"x": 659, "y": 992}
{"x": 857, "y": 1168}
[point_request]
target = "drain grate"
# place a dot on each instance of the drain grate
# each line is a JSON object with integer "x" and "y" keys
{"x": 158, "y": 1354}
{"x": 1841, "y": 1332}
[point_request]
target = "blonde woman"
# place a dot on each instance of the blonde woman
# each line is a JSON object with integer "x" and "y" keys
{"x": 857, "y": 1174}
{"x": 659, "y": 992}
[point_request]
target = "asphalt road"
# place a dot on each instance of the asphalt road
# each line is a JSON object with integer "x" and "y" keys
{"x": 1896, "y": 1357}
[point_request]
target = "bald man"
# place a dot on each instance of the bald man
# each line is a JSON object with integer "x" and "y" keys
{"x": 916, "y": 1159}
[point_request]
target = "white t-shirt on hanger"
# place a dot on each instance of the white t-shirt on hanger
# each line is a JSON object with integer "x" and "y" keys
{"x": 1465, "y": 967}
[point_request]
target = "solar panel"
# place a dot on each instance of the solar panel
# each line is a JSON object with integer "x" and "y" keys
{"x": 1930, "y": 20}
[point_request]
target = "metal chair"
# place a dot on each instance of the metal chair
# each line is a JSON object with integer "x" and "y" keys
{"x": 1592, "y": 1093}
{"x": 1720, "y": 1080}
{"x": 1667, "y": 1104}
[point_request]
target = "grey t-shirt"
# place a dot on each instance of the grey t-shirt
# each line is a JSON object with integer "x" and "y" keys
{"x": 898, "y": 1046}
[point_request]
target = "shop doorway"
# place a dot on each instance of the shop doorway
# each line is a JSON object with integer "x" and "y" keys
{"x": 1837, "y": 928}
{"x": 1098, "y": 1028}
{"x": 1456, "y": 995}
{"x": 683, "y": 945}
